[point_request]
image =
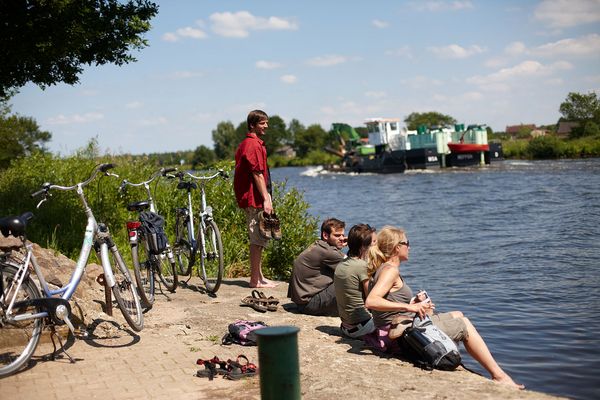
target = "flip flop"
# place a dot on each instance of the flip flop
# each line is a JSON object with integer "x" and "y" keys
{"x": 256, "y": 304}
{"x": 238, "y": 370}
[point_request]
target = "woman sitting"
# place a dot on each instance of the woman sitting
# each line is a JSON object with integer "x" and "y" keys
{"x": 351, "y": 282}
{"x": 390, "y": 299}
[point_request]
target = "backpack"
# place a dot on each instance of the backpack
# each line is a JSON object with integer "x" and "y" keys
{"x": 243, "y": 332}
{"x": 153, "y": 227}
{"x": 428, "y": 347}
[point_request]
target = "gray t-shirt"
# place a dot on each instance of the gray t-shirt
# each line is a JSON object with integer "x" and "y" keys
{"x": 348, "y": 281}
{"x": 313, "y": 271}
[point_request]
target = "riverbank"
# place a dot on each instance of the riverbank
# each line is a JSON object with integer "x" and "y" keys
{"x": 160, "y": 362}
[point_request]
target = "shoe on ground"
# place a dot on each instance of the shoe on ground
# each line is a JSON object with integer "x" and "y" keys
{"x": 275, "y": 227}
{"x": 264, "y": 225}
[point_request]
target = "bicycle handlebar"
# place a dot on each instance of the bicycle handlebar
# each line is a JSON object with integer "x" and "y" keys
{"x": 46, "y": 187}
{"x": 220, "y": 172}
{"x": 160, "y": 172}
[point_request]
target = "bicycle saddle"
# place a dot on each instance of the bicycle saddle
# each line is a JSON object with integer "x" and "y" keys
{"x": 15, "y": 224}
{"x": 187, "y": 185}
{"x": 138, "y": 206}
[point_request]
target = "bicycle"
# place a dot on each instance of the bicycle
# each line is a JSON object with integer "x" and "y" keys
{"x": 147, "y": 264}
{"x": 207, "y": 243}
{"x": 24, "y": 310}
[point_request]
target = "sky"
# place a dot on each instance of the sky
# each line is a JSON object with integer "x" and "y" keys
{"x": 322, "y": 61}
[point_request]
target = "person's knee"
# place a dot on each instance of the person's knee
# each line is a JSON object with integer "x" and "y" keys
{"x": 456, "y": 314}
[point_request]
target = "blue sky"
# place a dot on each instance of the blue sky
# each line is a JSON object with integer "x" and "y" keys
{"x": 493, "y": 62}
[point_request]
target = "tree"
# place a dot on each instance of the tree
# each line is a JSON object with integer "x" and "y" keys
{"x": 277, "y": 134}
{"x": 226, "y": 140}
{"x": 47, "y": 42}
{"x": 313, "y": 138}
{"x": 428, "y": 119}
{"x": 203, "y": 156}
{"x": 582, "y": 108}
{"x": 19, "y": 136}
{"x": 294, "y": 129}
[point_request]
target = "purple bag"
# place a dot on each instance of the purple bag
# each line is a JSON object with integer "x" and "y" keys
{"x": 243, "y": 332}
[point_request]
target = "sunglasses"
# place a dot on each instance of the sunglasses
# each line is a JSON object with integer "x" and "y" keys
{"x": 407, "y": 243}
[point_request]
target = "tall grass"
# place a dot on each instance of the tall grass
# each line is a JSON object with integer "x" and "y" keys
{"x": 60, "y": 221}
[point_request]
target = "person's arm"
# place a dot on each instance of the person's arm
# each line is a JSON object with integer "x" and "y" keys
{"x": 376, "y": 298}
{"x": 259, "y": 180}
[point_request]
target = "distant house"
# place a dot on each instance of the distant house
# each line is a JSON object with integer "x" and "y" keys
{"x": 286, "y": 151}
{"x": 564, "y": 128}
{"x": 538, "y": 132}
{"x": 514, "y": 130}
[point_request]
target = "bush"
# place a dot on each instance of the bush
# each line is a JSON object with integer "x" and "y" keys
{"x": 60, "y": 222}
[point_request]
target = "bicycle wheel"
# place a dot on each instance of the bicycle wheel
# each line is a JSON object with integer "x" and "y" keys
{"x": 142, "y": 268}
{"x": 125, "y": 293}
{"x": 184, "y": 254}
{"x": 211, "y": 256}
{"x": 18, "y": 339}
{"x": 166, "y": 270}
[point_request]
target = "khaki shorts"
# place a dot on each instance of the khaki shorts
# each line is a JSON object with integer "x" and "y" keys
{"x": 455, "y": 328}
{"x": 252, "y": 224}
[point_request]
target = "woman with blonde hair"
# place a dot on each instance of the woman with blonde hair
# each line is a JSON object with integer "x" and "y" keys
{"x": 391, "y": 300}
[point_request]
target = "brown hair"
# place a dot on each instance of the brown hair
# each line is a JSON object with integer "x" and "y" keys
{"x": 359, "y": 240}
{"x": 387, "y": 239}
{"x": 330, "y": 224}
{"x": 254, "y": 117}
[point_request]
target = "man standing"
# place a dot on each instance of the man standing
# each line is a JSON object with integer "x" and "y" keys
{"x": 252, "y": 186}
{"x": 311, "y": 286}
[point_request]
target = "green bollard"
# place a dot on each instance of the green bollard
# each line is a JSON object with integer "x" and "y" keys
{"x": 278, "y": 362}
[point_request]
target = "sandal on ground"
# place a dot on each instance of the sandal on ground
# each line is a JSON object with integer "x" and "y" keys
{"x": 269, "y": 302}
{"x": 212, "y": 368}
{"x": 255, "y": 303}
{"x": 238, "y": 370}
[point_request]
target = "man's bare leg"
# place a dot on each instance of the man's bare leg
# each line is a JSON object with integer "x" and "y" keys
{"x": 257, "y": 280}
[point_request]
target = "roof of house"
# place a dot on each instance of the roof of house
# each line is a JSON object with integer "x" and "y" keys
{"x": 517, "y": 128}
{"x": 565, "y": 127}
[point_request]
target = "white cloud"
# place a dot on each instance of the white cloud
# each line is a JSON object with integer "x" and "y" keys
{"x": 515, "y": 48}
{"x": 586, "y": 45}
{"x": 170, "y": 37}
{"x": 377, "y": 23}
{"x": 436, "y": 6}
{"x": 267, "y": 64}
{"x": 375, "y": 94}
{"x": 62, "y": 119}
{"x": 327, "y": 61}
{"x": 186, "y": 74}
{"x": 193, "y": 33}
{"x": 568, "y": 13}
{"x": 403, "y": 52}
{"x": 134, "y": 105}
{"x": 289, "y": 79}
{"x": 239, "y": 24}
{"x": 420, "y": 82}
{"x": 524, "y": 70}
{"x": 153, "y": 121}
{"x": 456, "y": 51}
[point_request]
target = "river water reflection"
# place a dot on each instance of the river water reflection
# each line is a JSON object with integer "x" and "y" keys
{"x": 515, "y": 246}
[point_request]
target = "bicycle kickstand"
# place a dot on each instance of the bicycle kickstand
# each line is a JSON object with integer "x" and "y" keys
{"x": 53, "y": 334}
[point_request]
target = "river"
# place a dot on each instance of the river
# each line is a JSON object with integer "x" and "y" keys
{"x": 514, "y": 245}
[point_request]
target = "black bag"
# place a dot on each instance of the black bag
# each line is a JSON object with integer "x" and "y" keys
{"x": 153, "y": 226}
{"x": 428, "y": 347}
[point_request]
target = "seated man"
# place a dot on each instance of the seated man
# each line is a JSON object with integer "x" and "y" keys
{"x": 351, "y": 283}
{"x": 311, "y": 285}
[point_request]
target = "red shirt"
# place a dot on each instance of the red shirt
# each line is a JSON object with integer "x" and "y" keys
{"x": 250, "y": 157}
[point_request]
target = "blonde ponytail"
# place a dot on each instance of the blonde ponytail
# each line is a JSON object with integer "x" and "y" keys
{"x": 387, "y": 239}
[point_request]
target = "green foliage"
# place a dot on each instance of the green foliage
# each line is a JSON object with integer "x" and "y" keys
{"x": 551, "y": 147}
{"x": 311, "y": 139}
{"x": 581, "y": 107}
{"x": 225, "y": 140}
{"x": 545, "y": 147}
{"x": 277, "y": 134}
{"x": 46, "y": 42}
{"x": 19, "y": 136}
{"x": 428, "y": 119}
{"x": 203, "y": 157}
{"x": 60, "y": 222}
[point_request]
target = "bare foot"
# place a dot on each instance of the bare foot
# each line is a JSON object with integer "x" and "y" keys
{"x": 264, "y": 283}
{"x": 507, "y": 380}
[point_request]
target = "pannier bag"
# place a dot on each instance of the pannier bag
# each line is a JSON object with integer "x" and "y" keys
{"x": 154, "y": 230}
{"x": 243, "y": 332}
{"x": 428, "y": 347}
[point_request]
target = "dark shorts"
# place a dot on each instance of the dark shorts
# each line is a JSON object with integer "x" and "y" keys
{"x": 322, "y": 303}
